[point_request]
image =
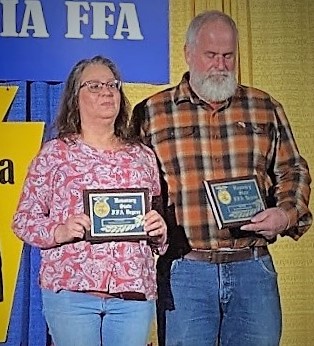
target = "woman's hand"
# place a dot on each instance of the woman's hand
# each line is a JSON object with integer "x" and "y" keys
{"x": 74, "y": 228}
{"x": 155, "y": 227}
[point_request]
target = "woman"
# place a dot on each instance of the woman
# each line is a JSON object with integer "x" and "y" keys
{"x": 93, "y": 293}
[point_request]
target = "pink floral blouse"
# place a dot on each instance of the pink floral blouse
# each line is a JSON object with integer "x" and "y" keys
{"x": 53, "y": 191}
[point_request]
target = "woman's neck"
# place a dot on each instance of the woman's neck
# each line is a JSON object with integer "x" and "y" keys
{"x": 104, "y": 140}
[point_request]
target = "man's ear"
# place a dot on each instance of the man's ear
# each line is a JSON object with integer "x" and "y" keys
{"x": 187, "y": 54}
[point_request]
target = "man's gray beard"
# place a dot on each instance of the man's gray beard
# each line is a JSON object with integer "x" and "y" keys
{"x": 209, "y": 89}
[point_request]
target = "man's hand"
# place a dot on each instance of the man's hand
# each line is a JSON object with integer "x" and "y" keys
{"x": 268, "y": 223}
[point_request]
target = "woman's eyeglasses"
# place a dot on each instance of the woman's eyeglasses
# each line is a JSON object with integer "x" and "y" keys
{"x": 96, "y": 86}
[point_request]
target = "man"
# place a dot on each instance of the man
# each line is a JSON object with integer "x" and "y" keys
{"x": 223, "y": 284}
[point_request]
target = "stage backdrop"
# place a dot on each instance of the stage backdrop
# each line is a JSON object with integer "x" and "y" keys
{"x": 41, "y": 39}
{"x": 276, "y": 54}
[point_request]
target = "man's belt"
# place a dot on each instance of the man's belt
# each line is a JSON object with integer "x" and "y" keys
{"x": 227, "y": 256}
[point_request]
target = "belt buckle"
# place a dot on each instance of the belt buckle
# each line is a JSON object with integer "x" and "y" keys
{"x": 209, "y": 256}
{"x": 219, "y": 257}
{"x": 215, "y": 256}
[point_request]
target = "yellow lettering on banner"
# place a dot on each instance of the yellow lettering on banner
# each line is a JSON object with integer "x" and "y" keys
{"x": 19, "y": 143}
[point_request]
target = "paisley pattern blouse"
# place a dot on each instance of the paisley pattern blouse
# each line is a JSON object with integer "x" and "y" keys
{"x": 53, "y": 190}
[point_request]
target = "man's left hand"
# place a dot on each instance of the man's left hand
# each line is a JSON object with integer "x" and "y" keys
{"x": 268, "y": 223}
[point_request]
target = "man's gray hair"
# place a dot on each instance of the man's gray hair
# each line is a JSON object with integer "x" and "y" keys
{"x": 204, "y": 18}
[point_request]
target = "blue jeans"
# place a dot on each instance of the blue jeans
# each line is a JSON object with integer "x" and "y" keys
{"x": 81, "y": 319}
{"x": 232, "y": 304}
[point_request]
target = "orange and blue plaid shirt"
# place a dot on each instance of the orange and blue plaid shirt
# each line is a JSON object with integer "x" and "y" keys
{"x": 248, "y": 134}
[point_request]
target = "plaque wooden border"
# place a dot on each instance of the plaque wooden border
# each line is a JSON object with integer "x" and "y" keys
{"x": 122, "y": 223}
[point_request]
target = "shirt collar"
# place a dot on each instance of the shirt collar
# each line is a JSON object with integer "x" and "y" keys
{"x": 184, "y": 93}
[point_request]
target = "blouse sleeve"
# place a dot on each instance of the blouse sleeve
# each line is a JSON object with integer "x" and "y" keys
{"x": 32, "y": 222}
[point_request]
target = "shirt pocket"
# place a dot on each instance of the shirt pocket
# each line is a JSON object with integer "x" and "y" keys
{"x": 259, "y": 138}
{"x": 247, "y": 128}
{"x": 171, "y": 134}
{"x": 172, "y": 144}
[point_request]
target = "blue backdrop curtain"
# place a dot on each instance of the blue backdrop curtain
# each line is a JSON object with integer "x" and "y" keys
{"x": 35, "y": 101}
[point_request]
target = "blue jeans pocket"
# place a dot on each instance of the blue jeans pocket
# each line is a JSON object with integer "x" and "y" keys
{"x": 267, "y": 265}
{"x": 174, "y": 266}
